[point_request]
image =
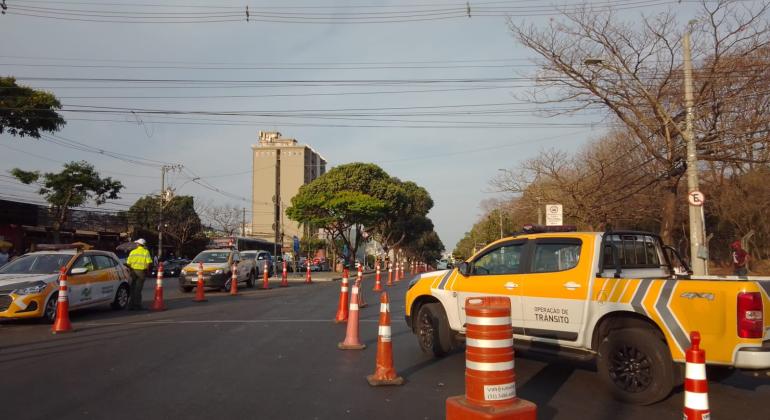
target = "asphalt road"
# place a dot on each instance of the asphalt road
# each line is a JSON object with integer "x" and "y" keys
{"x": 272, "y": 354}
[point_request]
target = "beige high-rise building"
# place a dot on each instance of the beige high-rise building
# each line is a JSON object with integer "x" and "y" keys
{"x": 300, "y": 164}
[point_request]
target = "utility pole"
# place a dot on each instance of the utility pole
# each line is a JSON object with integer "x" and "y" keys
{"x": 243, "y": 224}
{"x": 500, "y": 211}
{"x": 277, "y": 202}
{"x": 164, "y": 195}
{"x": 698, "y": 251}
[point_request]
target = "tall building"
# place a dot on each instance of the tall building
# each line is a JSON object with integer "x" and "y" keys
{"x": 299, "y": 165}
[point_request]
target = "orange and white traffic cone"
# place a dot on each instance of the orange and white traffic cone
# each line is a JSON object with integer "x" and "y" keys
{"x": 352, "y": 342}
{"x": 265, "y": 277}
{"x": 284, "y": 276}
{"x": 234, "y": 281}
{"x": 390, "y": 274}
{"x": 490, "y": 381}
{"x": 62, "y": 322}
{"x": 359, "y": 282}
{"x": 308, "y": 279}
{"x": 342, "y": 307}
{"x": 696, "y": 397}
{"x": 200, "y": 296}
{"x": 157, "y": 303}
{"x": 400, "y": 272}
{"x": 384, "y": 373}
{"x": 377, "y": 280}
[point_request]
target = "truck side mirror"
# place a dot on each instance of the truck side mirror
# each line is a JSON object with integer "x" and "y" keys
{"x": 464, "y": 268}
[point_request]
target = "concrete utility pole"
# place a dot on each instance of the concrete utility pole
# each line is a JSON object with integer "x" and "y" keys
{"x": 698, "y": 250}
{"x": 243, "y": 224}
{"x": 277, "y": 203}
{"x": 162, "y": 199}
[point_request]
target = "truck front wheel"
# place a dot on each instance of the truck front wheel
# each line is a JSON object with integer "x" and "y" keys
{"x": 636, "y": 365}
{"x": 433, "y": 330}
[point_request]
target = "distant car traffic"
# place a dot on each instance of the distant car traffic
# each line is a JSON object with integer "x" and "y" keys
{"x": 260, "y": 257}
{"x": 171, "y": 268}
{"x": 29, "y": 284}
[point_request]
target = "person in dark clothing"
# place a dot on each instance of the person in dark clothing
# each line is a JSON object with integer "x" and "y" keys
{"x": 740, "y": 259}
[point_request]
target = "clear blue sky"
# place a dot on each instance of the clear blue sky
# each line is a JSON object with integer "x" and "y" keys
{"x": 452, "y": 150}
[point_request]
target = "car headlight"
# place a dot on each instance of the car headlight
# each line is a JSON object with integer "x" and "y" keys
{"x": 32, "y": 288}
{"x": 219, "y": 271}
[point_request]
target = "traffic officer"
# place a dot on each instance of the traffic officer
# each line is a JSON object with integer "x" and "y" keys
{"x": 139, "y": 261}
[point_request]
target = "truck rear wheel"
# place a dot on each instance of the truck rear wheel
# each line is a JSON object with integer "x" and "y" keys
{"x": 433, "y": 331}
{"x": 636, "y": 365}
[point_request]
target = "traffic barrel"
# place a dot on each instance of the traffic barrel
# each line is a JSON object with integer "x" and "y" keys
{"x": 384, "y": 373}
{"x": 308, "y": 280}
{"x": 200, "y": 296}
{"x": 490, "y": 380}
{"x": 265, "y": 276}
{"x": 359, "y": 283}
{"x": 62, "y": 322}
{"x": 342, "y": 307}
{"x": 390, "y": 274}
{"x": 234, "y": 281}
{"x": 284, "y": 276}
{"x": 352, "y": 342}
{"x": 157, "y": 303}
{"x": 377, "y": 282}
{"x": 696, "y": 397}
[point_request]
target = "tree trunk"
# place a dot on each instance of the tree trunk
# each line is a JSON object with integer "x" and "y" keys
{"x": 56, "y": 232}
{"x": 668, "y": 210}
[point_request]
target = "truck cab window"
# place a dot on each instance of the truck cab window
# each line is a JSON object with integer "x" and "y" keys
{"x": 503, "y": 260}
{"x": 552, "y": 257}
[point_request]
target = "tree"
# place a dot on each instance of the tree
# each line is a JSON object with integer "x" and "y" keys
{"x": 427, "y": 248}
{"x": 25, "y": 111}
{"x": 225, "y": 219}
{"x": 404, "y": 218}
{"x": 341, "y": 202}
{"x": 180, "y": 221}
{"x": 633, "y": 72}
{"x": 77, "y": 183}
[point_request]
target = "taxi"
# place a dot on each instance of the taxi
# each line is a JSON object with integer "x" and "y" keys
{"x": 29, "y": 284}
{"x": 217, "y": 270}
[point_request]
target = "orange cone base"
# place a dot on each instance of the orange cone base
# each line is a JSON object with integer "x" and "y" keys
{"x": 62, "y": 322}
{"x": 343, "y": 346}
{"x": 340, "y": 320}
{"x": 158, "y": 306}
{"x": 458, "y": 408}
{"x": 375, "y": 381}
{"x": 62, "y": 331}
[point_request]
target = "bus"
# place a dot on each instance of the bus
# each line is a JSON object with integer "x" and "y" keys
{"x": 244, "y": 244}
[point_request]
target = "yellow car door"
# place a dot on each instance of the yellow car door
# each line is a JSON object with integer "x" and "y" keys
{"x": 495, "y": 271}
{"x": 83, "y": 274}
{"x": 555, "y": 288}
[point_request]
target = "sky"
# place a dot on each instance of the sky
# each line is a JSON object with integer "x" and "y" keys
{"x": 417, "y": 87}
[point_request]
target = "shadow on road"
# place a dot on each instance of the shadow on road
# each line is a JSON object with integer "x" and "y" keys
{"x": 542, "y": 387}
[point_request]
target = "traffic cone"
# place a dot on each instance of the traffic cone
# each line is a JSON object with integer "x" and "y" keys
{"x": 199, "y": 295}
{"x": 284, "y": 276}
{"x": 342, "y": 307}
{"x": 265, "y": 277}
{"x": 377, "y": 283}
{"x": 390, "y": 274}
{"x": 696, "y": 398}
{"x": 308, "y": 280}
{"x": 490, "y": 379}
{"x": 157, "y": 303}
{"x": 359, "y": 283}
{"x": 351, "y": 333}
{"x": 384, "y": 373}
{"x": 62, "y": 322}
{"x": 399, "y": 271}
{"x": 234, "y": 281}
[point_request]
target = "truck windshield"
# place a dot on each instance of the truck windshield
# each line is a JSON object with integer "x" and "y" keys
{"x": 212, "y": 257}
{"x": 36, "y": 264}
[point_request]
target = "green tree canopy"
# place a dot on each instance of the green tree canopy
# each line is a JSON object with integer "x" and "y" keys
{"x": 25, "y": 111}
{"x": 340, "y": 201}
{"x": 77, "y": 183}
{"x": 181, "y": 223}
{"x": 405, "y": 216}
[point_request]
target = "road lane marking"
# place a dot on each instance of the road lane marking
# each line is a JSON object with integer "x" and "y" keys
{"x": 223, "y": 321}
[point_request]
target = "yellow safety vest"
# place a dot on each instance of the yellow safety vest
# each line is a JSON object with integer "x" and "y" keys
{"x": 139, "y": 258}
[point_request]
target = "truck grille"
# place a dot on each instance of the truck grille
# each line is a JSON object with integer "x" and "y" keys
{"x": 5, "y": 302}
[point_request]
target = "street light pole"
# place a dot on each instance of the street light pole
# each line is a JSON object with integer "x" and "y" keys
{"x": 698, "y": 252}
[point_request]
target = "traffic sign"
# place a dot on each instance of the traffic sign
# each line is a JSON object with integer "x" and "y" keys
{"x": 696, "y": 198}
{"x": 553, "y": 215}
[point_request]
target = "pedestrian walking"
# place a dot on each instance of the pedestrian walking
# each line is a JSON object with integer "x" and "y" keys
{"x": 139, "y": 261}
{"x": 740, "y": 259}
